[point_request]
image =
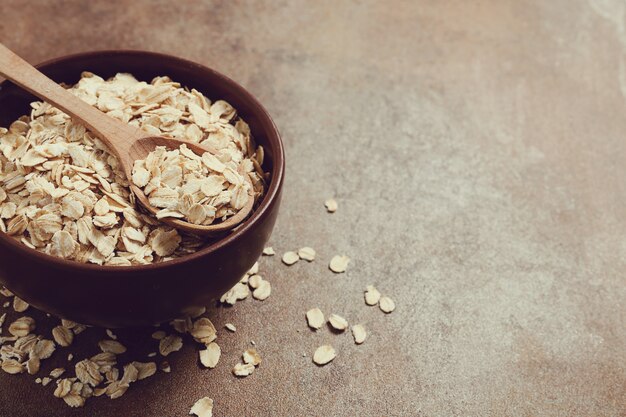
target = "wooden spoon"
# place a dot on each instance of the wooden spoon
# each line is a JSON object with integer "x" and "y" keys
{"x": 126, "y": 142}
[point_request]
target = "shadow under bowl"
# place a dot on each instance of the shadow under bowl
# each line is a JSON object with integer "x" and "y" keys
{"x": 112, "y": 296}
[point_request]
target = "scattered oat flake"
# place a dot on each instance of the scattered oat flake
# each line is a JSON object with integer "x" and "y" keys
{"x": 203, "y": 331}
{"x": 110, "y": 333}
{"x": 239, "y": 292}
{"x": 387, "y": 305}
{"x": 338, "y": 322}
{"x": 210, "y": 356}
{"x": 269, "y": 251}
{"x": 243, "y": 369}
{"x": 251, "y": 356}
{"x": 202, "y": 408}
{"x": 290, "y": 258}
{"x": 19, "y": 305}
{"x": 315, "y": 318}
{"x": 145, "y": 369}
{"x": 263, "y": 291}
{"x": 359, "y": 333}
{"x": 62, "y": 336}
{"x": 169, "y": 344}
{"x": 22, "y": 326}
{"x": 231, "y": 327}
{"x": 331, "y": 205}
{"x": 306, "y": 253}
{"x": 372, "y": 295}
{"x": 255, "y": 281}
{"x": 324, "y": 354}
{"x": 339, "y": 263}
{"x": 111, "y": 346}
{"x": 165, "y": 367}
{"x": 159, "y": 334}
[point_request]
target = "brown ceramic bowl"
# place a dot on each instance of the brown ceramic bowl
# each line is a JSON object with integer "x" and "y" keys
{"x": 142, "y": 295}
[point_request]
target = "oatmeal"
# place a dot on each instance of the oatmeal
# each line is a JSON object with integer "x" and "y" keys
{"x": 63, "y": 193}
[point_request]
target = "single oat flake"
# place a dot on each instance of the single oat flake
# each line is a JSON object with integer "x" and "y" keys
{"x": 306, "y": 253}
{"x": 290, "y": 258}
{"x": 210, "y": 356}
{"x": 387, "y": 305}
{"x": 359, "y": 333}
{"x": 111, "y": 346}
{"x": 337, "y": 322}
{"x": 324, "y": 354}
{"x": 243, "y": 369}
{"x": 263, "y": 291}
{"x": 269, "y": 251}
{"x": 251, "y": 356}
{"x": 19, "y": 305}
{"x": 202, "y": 408}
{"x": 372, "y": 295}
{"x": 169, "y": 344}
{"x": 62, "y": 336}
{"x": 331, "y": 205}
{"x": 315, "y": 318}
{"x": 339, "y": 263}
{"x": 231, "y": 327}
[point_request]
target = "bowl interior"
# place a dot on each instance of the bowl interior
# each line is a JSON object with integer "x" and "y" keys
{"x": 15, "y": 102}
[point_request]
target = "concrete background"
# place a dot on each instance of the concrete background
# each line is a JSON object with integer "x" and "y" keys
{"x": 477, "y": 152}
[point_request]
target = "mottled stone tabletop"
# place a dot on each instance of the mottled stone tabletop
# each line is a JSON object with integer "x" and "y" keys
{"x": 477, "y": 150}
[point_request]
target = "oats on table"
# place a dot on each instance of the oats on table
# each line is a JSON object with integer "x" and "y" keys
{"x": 331, "y": 205}
{"x": 359, "y": 333}
{"x": 251, "y": 356}
{"x": 386, "y": 304}
{"x": 210, "y": 356}
{"x": 290, "y": 258}
{"x": 111, "y": 346}
{"x": 158, "y": 335}
{"x": 229, "y": 326}
{"x": 62, "y": 192}
{"x": 62, "y": 336}
{"x": 19, "y": 305}
{"x": 203, "y": 331}
{"x": 22, "y": 326}
{"x": 202, "y": 408}
{"x": 263, "y": 291}
{"x": 324, "y": 354}
{"x": 372, "y": 295}
{"x": 170, "y": 344}
{"x": 315, "y": 318}
{"x": 239, "y": 292}
{"x": 243, "y": 369}
{"x": 306, "y": 253}
{"x": 339, "y": 263}
{"x": 145, "y": 369}
{"x": 337, "y": 322}
{"x": 269, "y": 251}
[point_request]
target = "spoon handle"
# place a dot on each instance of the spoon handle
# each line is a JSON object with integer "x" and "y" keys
{"x": 117, "y": 135}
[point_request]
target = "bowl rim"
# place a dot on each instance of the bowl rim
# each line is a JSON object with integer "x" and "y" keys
{"x": 271, "y": 195}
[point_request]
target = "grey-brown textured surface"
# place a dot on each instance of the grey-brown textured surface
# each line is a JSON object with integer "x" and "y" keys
{"x": 477, "y": 153}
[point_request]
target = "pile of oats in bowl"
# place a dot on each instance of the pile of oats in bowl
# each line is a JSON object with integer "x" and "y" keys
{"x": 62, "y": 192}
{"x": 192, "y": 187}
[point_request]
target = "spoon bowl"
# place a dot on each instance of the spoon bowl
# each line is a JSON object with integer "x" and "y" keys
{"x": 139, "y": 150}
